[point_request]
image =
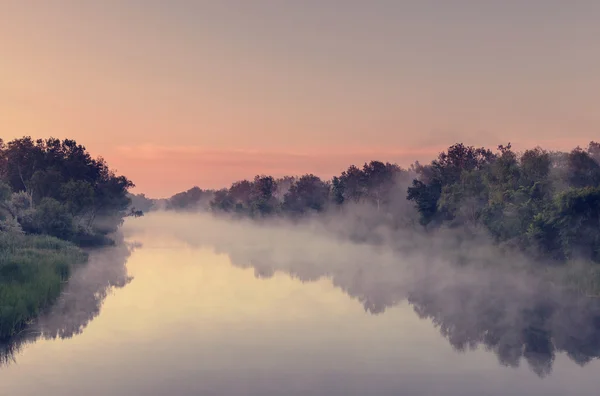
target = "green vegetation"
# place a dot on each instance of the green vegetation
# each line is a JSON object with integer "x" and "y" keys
{"x": 55, "y": 187}
{"x": 544, "y": 204}
{"x": 32, "y": 269}
{"x": 53, "y": 196}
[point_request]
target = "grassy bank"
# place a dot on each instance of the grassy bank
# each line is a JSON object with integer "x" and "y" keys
{"x": 32, "y": 270}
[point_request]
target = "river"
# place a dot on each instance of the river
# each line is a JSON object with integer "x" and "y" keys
{"x": 186, "y": 311}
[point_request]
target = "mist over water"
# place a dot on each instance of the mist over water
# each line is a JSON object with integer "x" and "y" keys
{"x": 194, "y": 304}
{"x": 80, "y": 302}
{"x": 513, "y": 314}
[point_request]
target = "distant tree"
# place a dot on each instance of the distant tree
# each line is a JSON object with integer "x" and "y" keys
{"x": 465, "y": 202}
{"x": 262, "y": 199}
{"x": 283, "y": 186}
{"x": 222, "y": 201}
{"x": 583, "y": 170}
{"x": 449, "y": 165}
{"x": 379, "y": 179}
{"x": 338, "y": 190}
{"x": 240, "y": 193}
{"x": 535, "y": 166}
{"x": 193, "y": 199}
{"x": 350, "y": 185}
{"x": 426, "y": 197}
{"x": 308, "y": 193}
{"x": 135, "y": 213}
{"x": 142, "y": 202}
{"x": 446, "y": 170}
{"x": 594, "y": 151}
{"x": 571, "y": 226}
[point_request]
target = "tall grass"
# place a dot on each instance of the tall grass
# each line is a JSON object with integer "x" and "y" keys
{"x": 32, "y": 270}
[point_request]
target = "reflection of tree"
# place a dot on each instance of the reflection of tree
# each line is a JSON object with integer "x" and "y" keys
{"x": 516, "y": 318}
{"x": 515, "y": 322}
{"x": 80, "y": 302}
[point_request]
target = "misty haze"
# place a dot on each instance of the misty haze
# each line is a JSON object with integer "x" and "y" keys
{"x": 279, "y": 198}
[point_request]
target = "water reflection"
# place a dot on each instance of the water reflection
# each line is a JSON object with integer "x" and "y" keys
{"x": 516, "y": 318}
{"x": 80, "y": 302}
{"x": 191, "y": 323}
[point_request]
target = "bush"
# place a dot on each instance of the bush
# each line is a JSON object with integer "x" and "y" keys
{"x": 32, "y": 269}
{"x": 52, "y": 218}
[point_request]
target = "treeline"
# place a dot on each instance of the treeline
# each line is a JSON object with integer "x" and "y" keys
{"x": 376, "y": 183}
{"x": 55, "y": 187}
{"x": 52, "y": 193}
{"x": 544, "y": 203}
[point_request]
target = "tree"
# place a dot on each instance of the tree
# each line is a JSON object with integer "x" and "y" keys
{"x": 535, "y": 166}
{"x": 23, "y": 158}
{"x": 354, "y": 184}
{"x": 110, "y": 203}
{"x": 426, "y": 199}
{"x": 338, "y": 190}
{"x": 78, "y": 196}
{"x": 570, "y": 226}
{"x": 222, "y": 200}
{"x": 446, "y": 170}
{"x": 45, "y": 183}
{"x": 142, "y": 202}
{"x": 308, "y": 193}
{"x": 53, "y": 218}
{"x": 192, "y": 199}
{"x": 65, "y": 172}
{"x": 241, "y": 194}
{"x": 8, "y": 215}
{"x": 379, "y": 180}
{"x": 465, "y": 202}
{"x": 594, "y": 151}
{"x": 583, "y": 170}
{"x": 283, "y": 186}
{"x": 261, "y": 195}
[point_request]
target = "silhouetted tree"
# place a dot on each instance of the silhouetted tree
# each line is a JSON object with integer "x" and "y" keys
{"x": 308, "y": 193}
{"x": 60, "y": 175}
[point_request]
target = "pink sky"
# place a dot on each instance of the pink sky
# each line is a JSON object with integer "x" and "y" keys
{"x": 176, "y": 94}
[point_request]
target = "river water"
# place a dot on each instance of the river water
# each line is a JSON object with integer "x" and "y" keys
{"x": 163, "y": 314}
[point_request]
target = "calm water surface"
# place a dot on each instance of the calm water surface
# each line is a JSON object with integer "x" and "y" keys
{"x": 167, "y": 318}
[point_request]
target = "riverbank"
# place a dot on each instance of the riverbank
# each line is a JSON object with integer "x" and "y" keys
{"x": 33, "y": 270}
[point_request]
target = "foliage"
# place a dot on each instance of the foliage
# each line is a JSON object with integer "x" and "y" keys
{"x": 375, "y": 184}
{"x": 141, "y": 202}
{"x": 194, "y": 198}
{"x": 570, "y": 226}
{"x": 545, "y": 203}
{"x": 51, "y": 192}
{"x": 308, "y": 193}
{"x": 53, "y": 218}
{"x": 32, "y": 269}
{"x": 55, "y": 187}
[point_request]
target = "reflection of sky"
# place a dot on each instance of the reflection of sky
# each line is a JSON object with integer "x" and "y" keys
{"x": 307, "y": 77}
{"x": 190, "y": 322}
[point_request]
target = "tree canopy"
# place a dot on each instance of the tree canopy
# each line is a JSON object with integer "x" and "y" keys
{"x": 52, "y": 186}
